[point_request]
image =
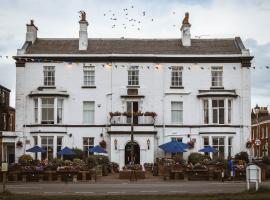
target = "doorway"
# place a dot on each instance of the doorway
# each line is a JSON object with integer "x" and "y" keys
{"x": 128, "y": 153}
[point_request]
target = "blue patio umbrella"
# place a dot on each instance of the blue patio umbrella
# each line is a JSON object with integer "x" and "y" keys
{"x": 36, "y": 149}
{"x": 66, "y": 152}
{"x": 174, "y": 147}
{"x": 208, "y": 149}
{"x": 97, "y": 149}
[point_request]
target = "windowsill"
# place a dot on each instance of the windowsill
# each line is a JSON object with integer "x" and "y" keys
{"x": 88, "y": 87}
{"x": 46, "y": 87}
{"x": 216, "y": 88}
{"x": 176, "y": 87}
{"x": 133, "y": 86}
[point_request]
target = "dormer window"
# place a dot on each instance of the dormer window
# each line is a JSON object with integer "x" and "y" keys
{"x": 49, "y": 75}
{"x": 133, "y": 76}
{"x": 217, "y": 73}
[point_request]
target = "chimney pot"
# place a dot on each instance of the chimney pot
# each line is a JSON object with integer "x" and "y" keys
{"x": 185, "y": 29}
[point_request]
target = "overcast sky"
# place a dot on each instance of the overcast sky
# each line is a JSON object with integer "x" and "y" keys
{"x": 249, "y": 19}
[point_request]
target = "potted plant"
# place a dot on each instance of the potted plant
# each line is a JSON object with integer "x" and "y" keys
{"x": 19, "y": 144}
{"x": 112, "y": 114}
{"x": 152, "y": 114}
{"x": 127, "y": 114}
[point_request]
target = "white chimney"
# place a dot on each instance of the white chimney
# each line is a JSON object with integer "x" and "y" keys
{"x": 31, "y": 32}
{"x": 186, "y": 36}
{"x": 83, "y": 36}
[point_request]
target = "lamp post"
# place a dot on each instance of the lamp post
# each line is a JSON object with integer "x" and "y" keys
{"x": 257, "y": 109}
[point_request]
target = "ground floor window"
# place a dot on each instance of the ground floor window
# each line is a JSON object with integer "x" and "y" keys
{"x": 230, "y": 140}
{"x": 177, "y": 139}
{"x": 59, "y": 145}
{"x": 206, "y": 143}
{"x": 88, "y": 143}
{"x": 47, "y": 145}
{"x": 219, "y": 144}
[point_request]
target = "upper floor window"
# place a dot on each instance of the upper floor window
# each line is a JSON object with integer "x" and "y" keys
{"x": 177, "y": 112}
{"x": 205, "y": 111}
{"x": 88, "y": 112}
{"x": 59, "y": 111}
{"x": 133, "y": 76}
{"x": 47, "y": 109}
{"x": 11, "y": 117}
{"x": 217, "y": 73}
{"x": 3, "y": 98}
{"x": 176, "y": 77}
{"x": 49, "y": 75}
{"x": 218, "y": 111}
{"x": 89, "y": 76}
{"x": 229, "y": 111}
{"x": 36, "y": 111}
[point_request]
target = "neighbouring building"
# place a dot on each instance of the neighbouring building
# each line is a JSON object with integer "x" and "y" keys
{"x": 260, "y": 144}
{"x": 7, "y": 127}
{"x": 78, "y": 92}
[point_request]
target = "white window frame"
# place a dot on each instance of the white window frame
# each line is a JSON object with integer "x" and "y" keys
{"x": 177, "y": 76}
{"x": 35, "y": 111}
{"x": 179, "y": 111}
{"x": 87, "y": 146}
{"x": 88, "y": 112}
{"x": 89, "y": 75}
{"x": 49, "y": 75}
{"x": 206, "y": 112}
{"x": 230, "y": 146}
{"x": 47, "y": 145}
{"x": 217, "y": 76}
{"x": 133, "y": 76}
{"x": 218, "y": 108}
{"x": 49, "y": 106}
{"x": 219, "y": 145}
{"x": 60, "y": 108}
{"x": 229, "y": 113}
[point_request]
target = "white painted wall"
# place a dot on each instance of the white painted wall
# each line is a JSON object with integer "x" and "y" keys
{"x": 154, "y": 85}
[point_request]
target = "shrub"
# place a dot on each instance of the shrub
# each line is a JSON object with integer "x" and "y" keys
{"x": 197, "y": 158}
{"x": 91, "y": 161}
{"x": 25, "y": 159}
{"x": 178, "y": 159}
{"x": 102, "y": 160}
{"x": 79, "y": 153}
{"x": 242, "y": 156}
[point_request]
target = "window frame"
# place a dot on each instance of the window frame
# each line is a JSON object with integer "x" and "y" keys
{"x": 47, "y": 146}
{"x": 218, "y": 145}
{"x": 47, "y": 121}
{"x": 49, "y": 76}
{"x": 89, "y": 75}
{"x": 218, "y": 108}
{"x": 58, "y": 109}
{"x": 133, "y": 76}
{"x": 89, "y": 110}
{"x": 217, "y": 76}
{"x": 180, "y": 110}
{"x": 206, "y": 112}
{"x": 176, "y": 76}
{"x": 87, "y": 146}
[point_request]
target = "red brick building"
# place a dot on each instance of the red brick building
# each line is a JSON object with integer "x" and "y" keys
{"x": 260, "y": 132}
{"x": 7, "y": 127}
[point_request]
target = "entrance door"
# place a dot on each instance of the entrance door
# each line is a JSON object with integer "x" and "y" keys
{"x": 128, "y": 153}
{"x": 132, "y": 107}
{"x": 9, "y": 152}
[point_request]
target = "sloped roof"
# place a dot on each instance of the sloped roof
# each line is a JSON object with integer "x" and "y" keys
{"x": 137, "y": 46}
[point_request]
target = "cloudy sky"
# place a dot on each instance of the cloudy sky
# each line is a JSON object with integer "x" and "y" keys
{"x": 249, "y": 19}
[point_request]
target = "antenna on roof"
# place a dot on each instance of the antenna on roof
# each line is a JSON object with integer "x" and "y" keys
{"x": 200, "y": 36}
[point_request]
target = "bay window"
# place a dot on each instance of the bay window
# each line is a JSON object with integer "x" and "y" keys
{"x": 47, "y": 145}
{"x": 219, "y": 144}
{"x": 59, "y": 111}
{"x": 218, "y": 111}
{"x": 47, "y": 110}
{"x": 205, "y": 111}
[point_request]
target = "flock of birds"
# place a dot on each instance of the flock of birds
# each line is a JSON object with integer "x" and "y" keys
{"x": 128, "y": 18}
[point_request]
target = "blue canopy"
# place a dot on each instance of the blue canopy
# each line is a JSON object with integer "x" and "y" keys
{"x": 208, "y": 149}
{"x": 174, "y": 147}
{"x": 97, "y": 149}
{"x": 36, "y": 149}
{"x": 66, "y": 152}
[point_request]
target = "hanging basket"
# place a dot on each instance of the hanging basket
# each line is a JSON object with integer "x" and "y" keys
{"x": 248, "y": 144}
{"x": 19, "y": 144}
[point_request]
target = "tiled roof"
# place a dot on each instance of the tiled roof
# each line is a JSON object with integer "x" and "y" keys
{"x": 137, "y": 46}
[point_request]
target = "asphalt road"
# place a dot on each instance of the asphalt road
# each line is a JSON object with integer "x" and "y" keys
{"x": 126, "y": 188}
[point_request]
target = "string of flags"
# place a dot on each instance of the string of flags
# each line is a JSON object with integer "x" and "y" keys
{"x": 110, "y": 64}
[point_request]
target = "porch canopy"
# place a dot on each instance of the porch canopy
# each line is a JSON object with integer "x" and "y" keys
{"x": 208, "y": 149}
{"x": 36, "y": 149}
{"x": 97, "y": 149}
{"x": 66, "y": 152}
{"x": 174, "y": 147}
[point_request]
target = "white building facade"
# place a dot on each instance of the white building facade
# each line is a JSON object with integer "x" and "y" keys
{"x": 199, "y": 90}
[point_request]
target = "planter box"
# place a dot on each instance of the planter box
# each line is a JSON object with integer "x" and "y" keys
{"x": 198, "y": 175}
{"x": 128, "y": 174}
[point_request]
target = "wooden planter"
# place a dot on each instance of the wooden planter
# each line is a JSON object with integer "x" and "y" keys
{"x": 198, "y": 175}
{"x": 129, "y": 174}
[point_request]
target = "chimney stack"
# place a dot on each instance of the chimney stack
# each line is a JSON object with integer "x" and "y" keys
{"x": 186, "y": 36}
{"x": 83, "y": 36}
{"x": 31, "y": 32}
